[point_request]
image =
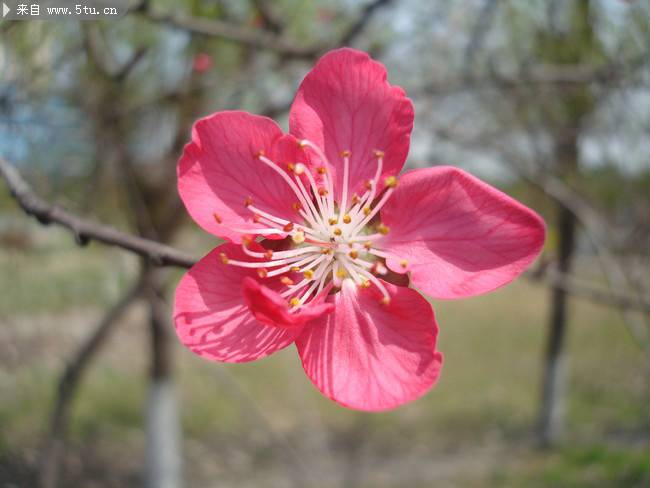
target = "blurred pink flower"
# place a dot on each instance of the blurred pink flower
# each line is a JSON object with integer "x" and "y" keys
{"x": 202, "y": 62}
{"x": 322, "y": 239}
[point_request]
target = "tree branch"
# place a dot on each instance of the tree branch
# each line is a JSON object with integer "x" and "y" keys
{"x": 257, "y": 38}
{"x": 85, "y": 230}
{"x": 50, "y": 463}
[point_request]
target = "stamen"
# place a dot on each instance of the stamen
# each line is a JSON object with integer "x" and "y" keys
{"x": 390, "y": 182}
{"x": 217, "y": 218}
{"x": 322, "y": 170}
{"x": 283, "y": 175}
{"x": 346, "y": 176}
{"x": 298, "y": 237}
{"x": 374, "y": 211}
{"x": 295, "y": 266}
{"x": 383, "y": 229}
{"x": 375, "y": 281}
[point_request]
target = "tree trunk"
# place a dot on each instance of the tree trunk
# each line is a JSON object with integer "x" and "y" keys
{"x": 163, "y": 464}
{"x": 553, "y": 406}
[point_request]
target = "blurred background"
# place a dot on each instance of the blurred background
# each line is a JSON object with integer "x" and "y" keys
{"x": 546, "y": 380}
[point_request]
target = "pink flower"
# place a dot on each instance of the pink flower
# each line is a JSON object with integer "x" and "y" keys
{"x": 322, "y": 239}
{"x": 202, "y": 62}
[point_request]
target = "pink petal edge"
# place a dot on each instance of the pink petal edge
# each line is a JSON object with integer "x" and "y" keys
{"x": 369, "y": 356}
{"x": 212, "y": 319}
{"x": 219, "y": 170}
{"x": 345, "y": 103}
{"x": 460, "y": 236}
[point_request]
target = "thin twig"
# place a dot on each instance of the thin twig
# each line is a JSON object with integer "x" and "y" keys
{"x": 256, "y": 38}
{"x": 85, "y": 230}
{"x": 51, "y": 458}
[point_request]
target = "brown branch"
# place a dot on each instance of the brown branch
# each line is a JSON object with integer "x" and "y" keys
{"x": 85, "y": 230}
{"x": 357, "y": 27}
{"x": 257, "y": 38}
{"x": 543, "y": 75}
{"x": 51, "y": 458}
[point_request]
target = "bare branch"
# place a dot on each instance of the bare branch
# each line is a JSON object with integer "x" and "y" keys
{"x": 50, "y": 463}
{"x": 85, "y": 230}
{"x": 355, "y": 30}
{"x": 257, "y": 38}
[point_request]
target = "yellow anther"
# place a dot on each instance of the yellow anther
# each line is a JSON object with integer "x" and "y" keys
{"x": 322, "y": 192}
{"x": 217, "y": 218}
{"x": 347, "y": 219}
{"x": 365, "y": 284}
{"x": 337, "y": 231}
{"x": 256, "y": 218}
{"x": 260, "y": 153}
{"x": 322, "y": 170}
{"x": 298, "y": 237}
{"x": 299, "y": 168}
{"x": 390, "y": 182}
{"x": 309, "y": 274}
{"x": 355, "y": 199}
{"x": 341, "y": 273}
{"x": 248, "y": 201}
{"x": 383, "y": 229}
{"x": 404, "y": 263}
{"x": 246, "y": 240}
{"x": 224, "y": 258}
{"x": 296, "y": 206}
{"x": 302, "y": 144}
{"x": 294, "y": 302}
{"x": 333, "y": 220}
{"x": 295, "y": 269}
{"x": 262, "y": 273}
{"x": 367, "y": 210}
{"x": 367, "y": 184}
{"x": 291, "y": 167}
{"x": 268, "y": 254}
{"x": 326, "y": 251}
{"x": 285, "y": 280}
{"x": 345, "y": 153}
{"x": 353, "y": 254}
{"x": 367, "y": 245}
{"x": 385, "y": 300}
{"x": 288, "y": 227}
{"x": 378, "y": 154}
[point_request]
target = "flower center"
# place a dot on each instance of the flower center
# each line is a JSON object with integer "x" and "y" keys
{"x": 332, "y": 240}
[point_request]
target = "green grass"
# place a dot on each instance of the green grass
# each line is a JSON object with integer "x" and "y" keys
{"x": 55, "y": 275}
{"x": 592, "y": 466}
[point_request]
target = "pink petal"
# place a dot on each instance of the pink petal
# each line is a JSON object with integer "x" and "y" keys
{"x": 370, "y": 356}
{"x": 345, "y": 103}
{"x": 270, "y": 308}
{"x": 213, "y": 320}
{"x": 219, "y": 170}
{"x": 460, "y": 236}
